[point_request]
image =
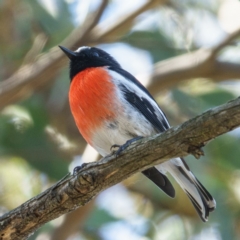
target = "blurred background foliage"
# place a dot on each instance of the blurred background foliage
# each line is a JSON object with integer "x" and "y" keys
{"x": 39, "y": 142}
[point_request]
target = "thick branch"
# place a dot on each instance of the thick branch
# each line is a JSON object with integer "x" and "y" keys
{"x": 74, "y": 191}
{"x": 75, "y": 220}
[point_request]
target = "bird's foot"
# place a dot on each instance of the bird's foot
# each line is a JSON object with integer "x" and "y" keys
{"x": 123, "y": 147}
{"x": 113, "y": 150}
{"x": 78, "y": 168}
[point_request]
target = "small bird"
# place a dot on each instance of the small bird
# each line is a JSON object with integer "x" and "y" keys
{"x": 111, "y": 107}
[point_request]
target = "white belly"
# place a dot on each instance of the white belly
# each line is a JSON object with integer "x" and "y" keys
{"x": 126, "y": 126}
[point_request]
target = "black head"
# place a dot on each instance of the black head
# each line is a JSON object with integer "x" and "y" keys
{"x": 86, "y": 57}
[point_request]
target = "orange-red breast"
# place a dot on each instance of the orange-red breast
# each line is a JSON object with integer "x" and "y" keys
{"x": 111, "y": 107}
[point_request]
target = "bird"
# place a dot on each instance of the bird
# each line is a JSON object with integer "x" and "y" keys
{"x": 111, "y": 107}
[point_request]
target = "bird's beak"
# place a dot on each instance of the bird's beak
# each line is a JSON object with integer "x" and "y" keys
{"x": 70, "y": 54}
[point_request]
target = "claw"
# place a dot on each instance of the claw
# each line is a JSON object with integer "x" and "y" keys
{"x": 78, "y": 168}
{"x": 124, "y": 146}
{"x": 114, "y": 146}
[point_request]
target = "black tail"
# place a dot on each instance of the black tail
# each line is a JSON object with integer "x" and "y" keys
{"x": 201, "y": 199}
{"x": 160, "y": 180}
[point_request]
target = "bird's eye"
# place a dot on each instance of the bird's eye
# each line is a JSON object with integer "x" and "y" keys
{"x": 95, "y": 54}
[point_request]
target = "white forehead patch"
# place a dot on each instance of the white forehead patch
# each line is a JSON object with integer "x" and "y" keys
{"x": 81, "y": 48}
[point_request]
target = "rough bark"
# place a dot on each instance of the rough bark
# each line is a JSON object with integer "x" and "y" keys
{"x": 76, "y": 190}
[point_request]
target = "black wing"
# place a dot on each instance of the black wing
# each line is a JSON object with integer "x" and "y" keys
{"x": 157, "y": 119}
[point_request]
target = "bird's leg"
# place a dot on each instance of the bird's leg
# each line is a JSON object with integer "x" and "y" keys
{"x": 124, "y": 146}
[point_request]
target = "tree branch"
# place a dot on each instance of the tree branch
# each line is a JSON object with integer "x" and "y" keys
{"x": 225, "y": 42}
{"x": 81, "y": 34}
{"x": 189, "y": 66}
{"x": 34, "y": 76}
{"x": 202, "y": 63}
{"x": 74, "y": 191}
{"x": 166, "y": 74}
{"x": 73, "y": 221}
{"x": 116, "y": 28}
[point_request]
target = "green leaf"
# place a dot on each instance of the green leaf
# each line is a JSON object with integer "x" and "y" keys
{"x": 188, "y": 104}
{"x": 215, "y": 98}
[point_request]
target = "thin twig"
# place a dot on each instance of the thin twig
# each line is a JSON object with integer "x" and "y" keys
{"x": 113, "y": 29}
{"x": 31, "y": 77}
{"x": 81, "y": 34}
{"x": 199, "y": 64}
{"x": 225, "y": 42}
